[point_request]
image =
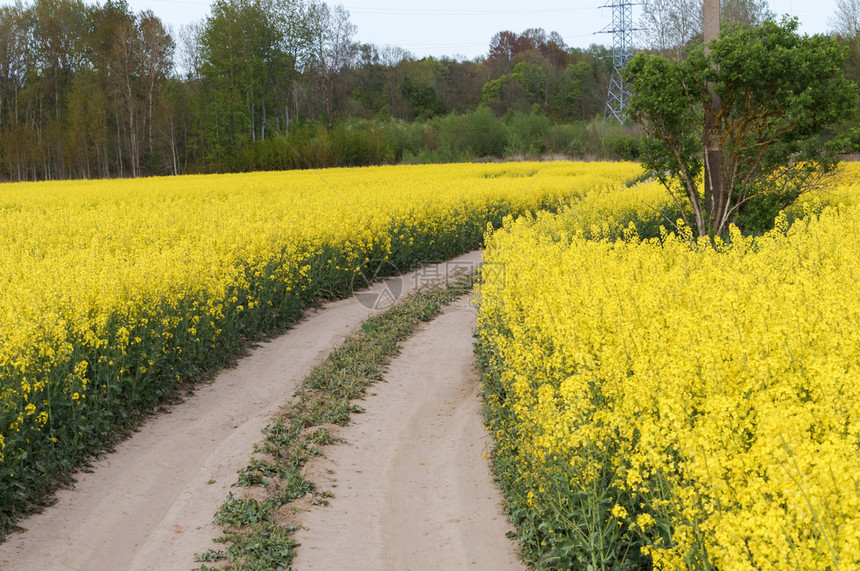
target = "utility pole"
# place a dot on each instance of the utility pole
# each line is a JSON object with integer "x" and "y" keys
{"x": 711, "y": 15}
{"x": 621, "y": 29}
{"x": 715, "y": 192}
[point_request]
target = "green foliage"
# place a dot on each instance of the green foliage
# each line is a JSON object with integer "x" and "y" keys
{"x": 493, "y": 90}
{"x": 526, "y": 85}
{"x": 778, "y": 93}
{"x": 849, "y": 139}
{"x": 578, "y": 90}
{"x": 444, "y": 139}
{"x": 239, "y": 513}
{"x": 559, "y": 525}
{"x": 527, "y": 133}
{"x": 423, "y": 100}
{"x": 484, "y": 134}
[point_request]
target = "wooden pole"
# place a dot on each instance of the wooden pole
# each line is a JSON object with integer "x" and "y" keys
{"x": 711, "y": 13}
{"x": 715, "y": 191}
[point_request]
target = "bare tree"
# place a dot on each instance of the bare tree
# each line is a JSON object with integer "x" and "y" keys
{"x": 845, "y": 22}
{"x": 671, "y": 26}
{"x": 126, "y": 64}
{"x": 13, "y": 47}
{"x": 392, "y": 56}
{"x": 668, "y": 26}
{"x": 333, "y": 49}
{"x": 15, "y": 59}
{"x": 157, "y": 54}
{"x": 190, "y": 48}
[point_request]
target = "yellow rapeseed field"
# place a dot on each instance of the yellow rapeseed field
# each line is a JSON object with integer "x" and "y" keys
{"x": 673, "y": 403}
{"x": 114, "y": 291}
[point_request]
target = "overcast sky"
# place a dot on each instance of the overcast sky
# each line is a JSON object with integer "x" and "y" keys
{"x": 452, "y": 28}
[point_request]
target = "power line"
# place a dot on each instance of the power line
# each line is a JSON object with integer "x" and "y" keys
{"x": 450, "y": 12}
{"x": 183, "y": 2}
{"x": 476, "y": 44}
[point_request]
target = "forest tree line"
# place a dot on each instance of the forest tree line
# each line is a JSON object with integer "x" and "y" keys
{"x": 97, "y": 91}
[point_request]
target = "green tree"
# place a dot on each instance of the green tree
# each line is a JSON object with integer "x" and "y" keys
{"x": 779, "y": 92}
{"x": 577, "y": 82}
{"x": 232, "y": 67}
{"x": 423, "y": 100}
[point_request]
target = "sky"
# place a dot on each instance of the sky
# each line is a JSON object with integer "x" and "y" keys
{"x": 459, "y": 29}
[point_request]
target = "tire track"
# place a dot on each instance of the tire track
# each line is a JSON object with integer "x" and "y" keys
{"x": 412, "y": 487}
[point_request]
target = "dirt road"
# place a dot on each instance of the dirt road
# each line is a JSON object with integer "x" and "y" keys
{"x": 149, "y": 505}
{"x": 412, "y": 488}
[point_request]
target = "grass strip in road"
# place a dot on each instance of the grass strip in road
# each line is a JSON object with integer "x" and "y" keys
{"x": 257, "y": 533}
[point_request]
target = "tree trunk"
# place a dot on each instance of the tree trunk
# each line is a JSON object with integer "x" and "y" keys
{"x": 253, "y": 117}
{"x": 151, "y": 112}
{"x": 132, "y": 138}
{"x": 172, "y": 141}
{"x": 118, "y": 146}
{"x": 328, "y": 97}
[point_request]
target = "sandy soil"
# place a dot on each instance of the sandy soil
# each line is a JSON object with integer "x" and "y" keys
{"x": 149, "y": 505}
{"x": 412, "y": 487}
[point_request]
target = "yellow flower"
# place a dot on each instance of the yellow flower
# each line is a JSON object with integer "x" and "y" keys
{"x": 645, "y": 521}
{"x": 152, "y": 293}
{"x": 716, "y": 383}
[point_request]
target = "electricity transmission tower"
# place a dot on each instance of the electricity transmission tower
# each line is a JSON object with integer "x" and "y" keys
{"x": 622, "y": 30}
